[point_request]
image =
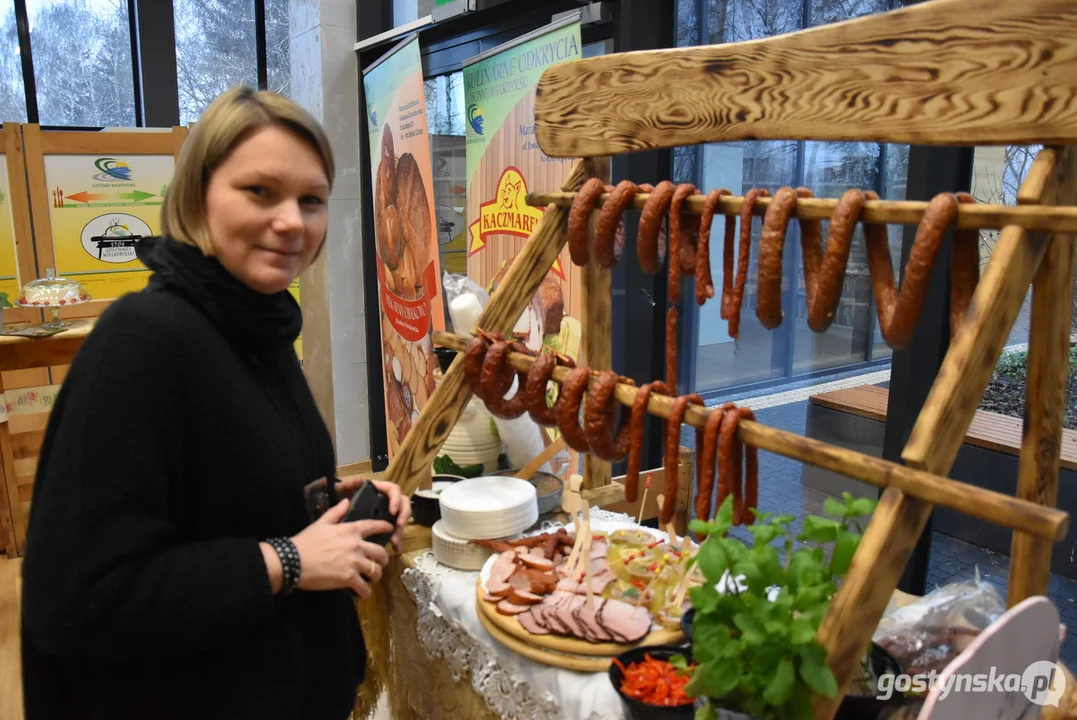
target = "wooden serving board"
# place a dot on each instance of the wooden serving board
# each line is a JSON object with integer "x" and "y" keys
{"x": 576, "y": 663}
{"x": 558, "y": 645}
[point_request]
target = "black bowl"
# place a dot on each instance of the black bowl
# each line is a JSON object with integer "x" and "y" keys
{"x": 868, "y": 707}
{"x": 636, "y": 710}
{"x": 686, "y": 625}
{"x": 427, "y": 510}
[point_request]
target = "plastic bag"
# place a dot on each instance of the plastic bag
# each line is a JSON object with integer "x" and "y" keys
{"x": 931, "y": 631}
{"x": 465, "y": 299}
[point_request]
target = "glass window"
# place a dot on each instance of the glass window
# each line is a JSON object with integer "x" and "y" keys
{"x": 827, "y": 168}
{"x": 997, "y": 174}
{"x": 406, "y": 11}
{"x": 12, "y": 88}
{"x": 82, "y": 61}
{"x": 215, "y": 50}
{"x": 448, "y": 146}
{"x": 278, "y": 47}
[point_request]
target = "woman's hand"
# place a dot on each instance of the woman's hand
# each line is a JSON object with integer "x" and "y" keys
{"x": 335, "y": 555}
{"x": 399, "y": 503}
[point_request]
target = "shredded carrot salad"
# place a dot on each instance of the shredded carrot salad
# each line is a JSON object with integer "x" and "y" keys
{"x": 655, "y": 682}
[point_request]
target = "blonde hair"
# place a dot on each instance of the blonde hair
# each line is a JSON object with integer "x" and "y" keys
{"x": 227, "y": 122}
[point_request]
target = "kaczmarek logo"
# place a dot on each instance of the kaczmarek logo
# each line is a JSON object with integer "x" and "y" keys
{"x": 1043, "y": 683}
{"x": 112, "y": 170}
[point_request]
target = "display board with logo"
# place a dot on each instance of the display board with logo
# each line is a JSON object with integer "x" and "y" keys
{"x": 504, "y": 163}
{"x": 408, "y": 269}
{"x": 94, "y": 194}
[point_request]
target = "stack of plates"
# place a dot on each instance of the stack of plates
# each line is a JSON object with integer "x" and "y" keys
{"x": 489, "y": 507}
{"x": 455, "y": 552}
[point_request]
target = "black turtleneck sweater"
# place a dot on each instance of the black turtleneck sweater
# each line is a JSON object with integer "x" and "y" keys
{"x": 183, "y": 435}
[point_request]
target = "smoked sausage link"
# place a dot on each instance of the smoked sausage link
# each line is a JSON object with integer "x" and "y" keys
{"x": 638, "y": 419}
{"x": 567, "y": 409}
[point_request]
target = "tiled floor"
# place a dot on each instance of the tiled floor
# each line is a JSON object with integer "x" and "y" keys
{"x": 781, "y": 490}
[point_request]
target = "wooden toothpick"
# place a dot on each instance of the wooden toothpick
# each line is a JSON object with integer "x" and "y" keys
{"x": 643, "y": 502}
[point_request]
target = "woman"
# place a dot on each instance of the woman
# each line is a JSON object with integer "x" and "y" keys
{"x": 173, "y": 568}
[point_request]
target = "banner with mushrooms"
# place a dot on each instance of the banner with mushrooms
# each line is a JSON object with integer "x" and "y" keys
{"x": 409, "y": 275}
{"x": 504, "y": 163}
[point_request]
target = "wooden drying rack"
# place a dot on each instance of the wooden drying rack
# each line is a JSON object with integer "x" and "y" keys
{"x": 945, "y": 72}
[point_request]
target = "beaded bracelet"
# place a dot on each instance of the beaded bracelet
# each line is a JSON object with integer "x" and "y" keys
{"x": 289, "y": 560}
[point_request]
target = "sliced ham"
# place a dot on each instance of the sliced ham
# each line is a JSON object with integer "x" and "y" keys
{"x": 520, "y": 550}
{"x": 539, "y": 551}
{"x": 523, "y": 597}
{"x": 503, "y": 567}
{"x": 590, "y": 618}
{"x": 622, "y": 619}
{"x": 538, "y": 562}
{"x": 566, "y": 615}
{"x": 530, "y": 624}
{"x": 498, "y": 588}
{"x": 491, "y": 598}
{"x": 507, "y": 608}
{"x": 520, "y": 580}
{"x": 567, "y": 584}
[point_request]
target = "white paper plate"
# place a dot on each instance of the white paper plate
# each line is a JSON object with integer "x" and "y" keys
{"x": 488, "y": 495}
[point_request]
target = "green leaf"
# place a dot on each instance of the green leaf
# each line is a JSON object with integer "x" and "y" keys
{"x": 861, "y": 507}
{"x": 820, "y": 529}
{"x": 803, "y": 568}
{"x": 724, "y": 516}
{"x": 844, "y": 549}
{"x": 704, "y": 599}
{"x": 679, "y": 662}
{"x": 770, "y": 566}
{"x": 751, "y": 631}
{"x": 712, "y": 559}
{"x": 781, "y": 685}
{"x": 735, "y": 550}
{"x": 752, "y": 576}
{"x": 709, "y": 637}
{"x": 800, "y": 705}
{"x": 801, "y": 631}
{"x": 722, "y": 677}
{"x": 704, "y": 712}
{"x": 764, "y": 534}
{"x": 814, "y": 671}
{"x": 834, "y": 508}
{"x": 701, "y": 527}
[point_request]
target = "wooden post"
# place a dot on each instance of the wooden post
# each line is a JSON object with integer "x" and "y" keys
{"x": 937, "y": 436}
{"x": 1045, "y": 388}
{"x": 437, "y": 419}
{"x": 597, "y": 342}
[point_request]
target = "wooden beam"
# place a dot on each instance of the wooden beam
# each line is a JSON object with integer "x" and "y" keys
{"x": 947, "y": 72}
{"x": 597, "y": 343}
{"x": 959, "y": 386}
{"x": 1045, "y": 389}
{"x": 424, "y": 440}
{"x": 985, "y": 216}
{"x": 978, "y": 502}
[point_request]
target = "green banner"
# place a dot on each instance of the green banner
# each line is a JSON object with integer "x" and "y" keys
{"x": 504, "y": 163}
{"x": 495, "y": 85}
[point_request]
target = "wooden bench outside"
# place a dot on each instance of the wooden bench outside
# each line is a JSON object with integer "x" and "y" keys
{"x": 988, "y": 430}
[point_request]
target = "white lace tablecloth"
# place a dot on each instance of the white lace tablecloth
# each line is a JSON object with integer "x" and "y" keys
{"x": 513, "y": 686}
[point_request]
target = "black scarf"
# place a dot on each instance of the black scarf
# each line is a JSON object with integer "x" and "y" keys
{"x": 254, "y": 321}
